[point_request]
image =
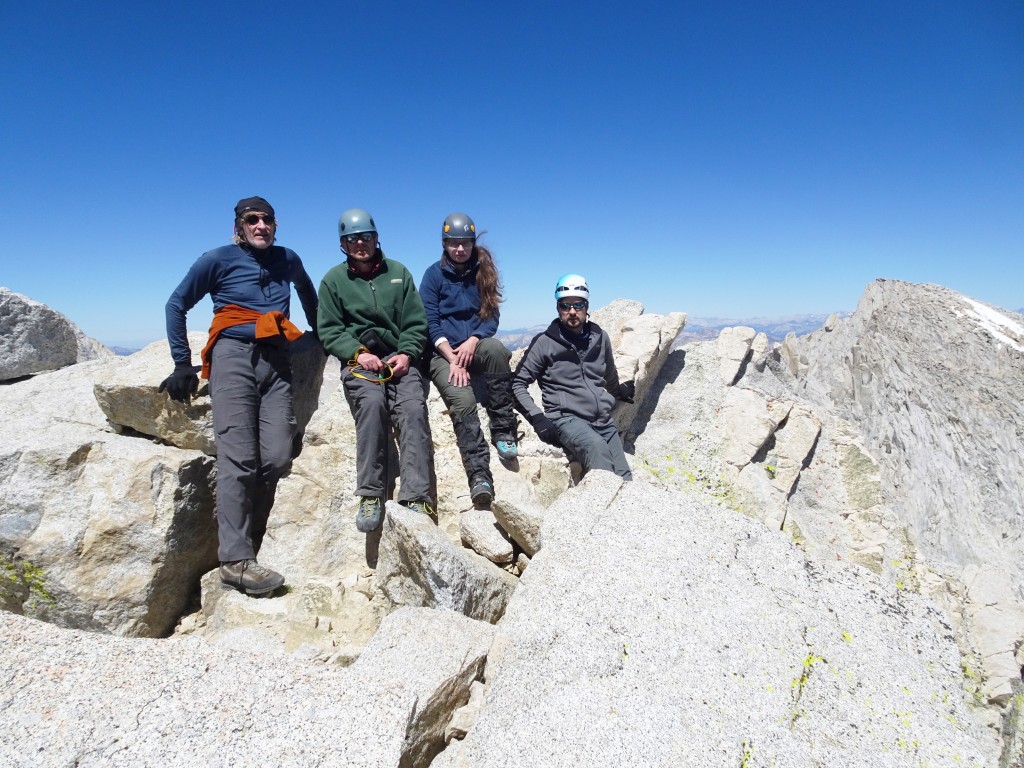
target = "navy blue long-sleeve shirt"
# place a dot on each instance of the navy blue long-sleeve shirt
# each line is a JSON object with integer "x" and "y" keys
{"x": 452, "y": 303}
{"x": 257, "y": 280}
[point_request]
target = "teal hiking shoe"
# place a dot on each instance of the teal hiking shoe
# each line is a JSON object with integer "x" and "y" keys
{"x": 423, "y": 507}
{"x": 507, "y": 449}
{"x": 370, "y": 514}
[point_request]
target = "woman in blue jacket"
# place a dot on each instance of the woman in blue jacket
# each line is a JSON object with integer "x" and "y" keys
{"x": 461, "y": 294}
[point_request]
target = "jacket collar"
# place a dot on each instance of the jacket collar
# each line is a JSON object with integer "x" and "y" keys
{"x": 380, "y": 264}
{"x": 555, "y": 331}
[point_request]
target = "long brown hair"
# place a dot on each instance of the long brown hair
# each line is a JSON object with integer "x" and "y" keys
{"x": 488, "y": 282}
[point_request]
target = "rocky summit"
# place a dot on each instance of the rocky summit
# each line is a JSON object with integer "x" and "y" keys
{"x": 818, "y": 562}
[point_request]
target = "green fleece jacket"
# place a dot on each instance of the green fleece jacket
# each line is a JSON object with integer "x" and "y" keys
{"x": 387, "y": 301}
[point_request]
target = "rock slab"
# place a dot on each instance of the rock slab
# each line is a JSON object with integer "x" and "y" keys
{"x": 35, "y": 338}
{"x": 68, "y": 699}
{"x": 712, "y": 642}
{"x": 420, "y": 566}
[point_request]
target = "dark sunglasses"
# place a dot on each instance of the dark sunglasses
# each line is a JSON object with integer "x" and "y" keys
{"x": 252, "y": 218}
{"x": 354, "y": 238}
{"x": 455, "y": 242}
{"x": 565, "y": 306}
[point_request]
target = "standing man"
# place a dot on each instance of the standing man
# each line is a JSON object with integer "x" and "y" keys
{"x": 573, "y": 364}
{"x": 246, "y": 361}
{"x": 372, "y": 319}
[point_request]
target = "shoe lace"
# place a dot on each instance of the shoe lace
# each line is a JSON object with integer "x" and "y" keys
{"x": 260, "y": 571}
{"x": 424, "y": 507}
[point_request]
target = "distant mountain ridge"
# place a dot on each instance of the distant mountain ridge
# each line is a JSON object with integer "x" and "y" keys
{"x": 517, "y": 338}
{"x": 701, "y": 328}
{"x": 775, "y": 328}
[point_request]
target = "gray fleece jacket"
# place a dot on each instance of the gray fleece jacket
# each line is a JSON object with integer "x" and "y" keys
{"x": 576, "y": 376}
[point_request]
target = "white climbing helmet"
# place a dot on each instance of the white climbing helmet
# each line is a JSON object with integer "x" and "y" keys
{"x": 572, "y": 285}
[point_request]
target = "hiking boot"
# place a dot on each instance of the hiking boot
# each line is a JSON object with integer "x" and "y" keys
{"x": 507, "y": 449}
{"x": 370, "y": 514}
{"x": 423, "y": 507}
{"x": 250, "y": 577}
{"x": 482, "y": 493}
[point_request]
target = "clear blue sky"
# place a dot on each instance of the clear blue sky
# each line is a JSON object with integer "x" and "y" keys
{"x": 727, "y": 159}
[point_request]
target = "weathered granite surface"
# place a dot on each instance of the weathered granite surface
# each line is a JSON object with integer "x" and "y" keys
{"x": 116, "y": 530}
{"x": 75, "y": 698}
{"x": 693, "y": 635}
{"x": 933, "y": 381}
{"x": 35, "y": 338}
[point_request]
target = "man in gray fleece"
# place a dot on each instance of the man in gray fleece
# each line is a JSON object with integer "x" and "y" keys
{"x": 572, "y": 363}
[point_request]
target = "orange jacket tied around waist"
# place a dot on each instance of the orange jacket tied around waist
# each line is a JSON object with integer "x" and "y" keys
{"x": 268, "y": 325}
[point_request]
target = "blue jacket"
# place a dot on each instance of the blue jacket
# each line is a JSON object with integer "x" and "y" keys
{"x": 234, "y": 275}
{"x": 452, "y": 303}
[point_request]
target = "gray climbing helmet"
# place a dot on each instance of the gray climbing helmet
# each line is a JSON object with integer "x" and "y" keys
{"x": 458, "y": 225}
{"x": 355, "y": 220}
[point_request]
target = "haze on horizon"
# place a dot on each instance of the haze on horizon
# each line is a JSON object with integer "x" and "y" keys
{"x": 725, "y": 160}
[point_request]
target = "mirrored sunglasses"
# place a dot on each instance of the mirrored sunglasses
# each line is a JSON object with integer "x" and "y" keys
{"x": 565, "y": 306}
{"x": 355, "y": 237}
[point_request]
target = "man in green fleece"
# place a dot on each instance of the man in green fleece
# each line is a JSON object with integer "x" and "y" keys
{"x": 371, "y": 318}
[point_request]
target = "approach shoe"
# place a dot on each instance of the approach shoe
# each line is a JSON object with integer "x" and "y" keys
{"x": 250, "y": 577}
{"x": 507, "y": 449}
{"x": 482, "y": 493}
{"x": 370, "y": 514}
{"x": 423, "y": 507}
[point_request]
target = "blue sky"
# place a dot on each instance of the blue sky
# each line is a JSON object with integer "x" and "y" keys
{"x": 722, "y": 159}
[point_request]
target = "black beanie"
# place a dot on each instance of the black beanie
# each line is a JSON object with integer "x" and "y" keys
{"x": 257, "y": 204}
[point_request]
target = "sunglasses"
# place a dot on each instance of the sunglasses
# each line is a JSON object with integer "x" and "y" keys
{"x": 455, "y": 242}
{"x": 565, "y": 306}
{"x": 253, "y": 218}
{"x": 366, "y": 237}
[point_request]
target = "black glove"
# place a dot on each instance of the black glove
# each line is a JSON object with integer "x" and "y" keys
{"x": 627, "y": 390}
{"x": 181, "y": 384}
{"x": 546, "y": 429}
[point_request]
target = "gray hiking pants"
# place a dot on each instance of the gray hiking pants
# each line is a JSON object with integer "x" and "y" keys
{"x": 253, "y": 423}
{"x": 403, "y": 403}
{"x": 593, "y": 447}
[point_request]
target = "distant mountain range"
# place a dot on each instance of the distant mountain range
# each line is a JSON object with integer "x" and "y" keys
{"x": 775, "y": 328}
{"x": 701, "y": 328}
{"x": 519, "y": 337}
